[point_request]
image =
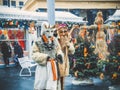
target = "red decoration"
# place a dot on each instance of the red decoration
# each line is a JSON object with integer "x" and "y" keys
{"x": 9, "y": 33}
{"x": 0, "y": 32}
{"x": 20, "y": 34}
{"x": 12, "y": 36}
{"x": 22, "y": 44}
{"x": 11, "y": 23}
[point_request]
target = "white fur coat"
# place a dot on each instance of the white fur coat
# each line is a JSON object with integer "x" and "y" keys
{"x": 43, "y": 75}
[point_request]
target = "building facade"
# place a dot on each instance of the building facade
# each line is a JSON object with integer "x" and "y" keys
{"x": 83, "y": 8}
{"x": 13, "y": 3}
{"x": 74, "y": 4}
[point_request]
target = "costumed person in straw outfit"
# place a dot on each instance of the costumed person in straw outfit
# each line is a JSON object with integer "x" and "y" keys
{"x": 101, "y": 45}
{"x": 64, "y": 38}
{"x": 100, "y": 39}
{"x": 99, "y": 27}
{"x": 46, "y": 50}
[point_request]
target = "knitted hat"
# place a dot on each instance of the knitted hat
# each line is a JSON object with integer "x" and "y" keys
{"x": 62, "y": 26}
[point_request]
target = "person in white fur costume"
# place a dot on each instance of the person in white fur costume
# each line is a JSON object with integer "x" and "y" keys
{"x": 46, "y": 52}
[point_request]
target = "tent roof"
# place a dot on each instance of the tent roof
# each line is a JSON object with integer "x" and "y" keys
{"x": 13, "y": 13}
{"x": 114, "y": 17}
{"x": 117, "y": 13}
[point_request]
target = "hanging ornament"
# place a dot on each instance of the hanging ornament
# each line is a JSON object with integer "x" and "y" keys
{"x": 3, "y": 23}
{"x": 9, "y": 33}
{"x": 114, "y": 76}
{"x": 85, "y": 52}
{"x": 15, "y": 22}
{"x": 20, "y": 34}
{"x": 20, "y": 24}
{"x": 76, "y": 74}
{"x": 5, "y": 32}
{"x": 6, "y": 22}
{"x": 102, "y": 76}
{"x": 11, "y": 23}
{"x": 12, "y": 36}
{"x": 0, "y": 32}
{"x": 14, "y": 31}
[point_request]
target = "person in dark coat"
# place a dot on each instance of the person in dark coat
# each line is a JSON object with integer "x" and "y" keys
{"x": 6, "y": 51}
{"x": 18, "y": 50}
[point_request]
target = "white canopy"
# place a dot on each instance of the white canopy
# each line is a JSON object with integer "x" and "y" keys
{"x": 13, "y": 13}
{"x": 114, "y": 17}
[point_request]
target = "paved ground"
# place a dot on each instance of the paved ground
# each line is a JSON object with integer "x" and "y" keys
{"x": 10, "y": 80}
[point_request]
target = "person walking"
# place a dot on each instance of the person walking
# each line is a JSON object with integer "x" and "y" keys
{"x": 6, "y": 51}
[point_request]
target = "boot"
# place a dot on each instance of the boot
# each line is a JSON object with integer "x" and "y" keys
{"x": 62, "y": 83}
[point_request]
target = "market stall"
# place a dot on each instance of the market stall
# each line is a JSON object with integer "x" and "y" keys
{"x": 18, "y": 26}
{"x": 115, "y": 18}
{"x": 14, "y": 27}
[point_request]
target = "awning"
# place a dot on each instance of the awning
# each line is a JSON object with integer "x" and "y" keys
{"x": 13, "y": 13}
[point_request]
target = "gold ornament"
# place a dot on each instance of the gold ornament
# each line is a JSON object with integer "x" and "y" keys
{"x": 102, "y": 76}
{"x": 76, "y": 74}
{"x": 114, "y": 76}
{"x": 118, "y": 53}
{"x": 85, "y": 52}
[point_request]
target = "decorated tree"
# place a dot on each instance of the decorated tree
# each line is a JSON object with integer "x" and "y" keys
{"x": 86, "y": 60}
{"x": 101, "y": 59}
{"x": 111, "y": 67}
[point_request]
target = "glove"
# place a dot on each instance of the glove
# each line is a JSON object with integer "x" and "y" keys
{"x": 59, "y": 59}
{"x": 48, "y": 58}
{"x": 55, "y": 33}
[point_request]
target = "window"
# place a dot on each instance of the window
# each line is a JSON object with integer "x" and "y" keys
{"x": 21, "y": 3}
{"x": 61, "y": 9}
{"x": 75, "y": 11}
{"x": 5, "y": 2}
{"x": 13, "y": 3}
{"x": 41, "y": 10}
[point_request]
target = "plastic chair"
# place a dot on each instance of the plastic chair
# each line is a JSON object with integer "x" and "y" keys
{"x": 27, "y": 64}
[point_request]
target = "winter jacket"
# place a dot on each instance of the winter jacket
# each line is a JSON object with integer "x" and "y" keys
{"x": 6, "y": 49}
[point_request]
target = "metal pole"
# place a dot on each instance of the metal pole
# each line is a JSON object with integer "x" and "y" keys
{"x": 51, "y": 11}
